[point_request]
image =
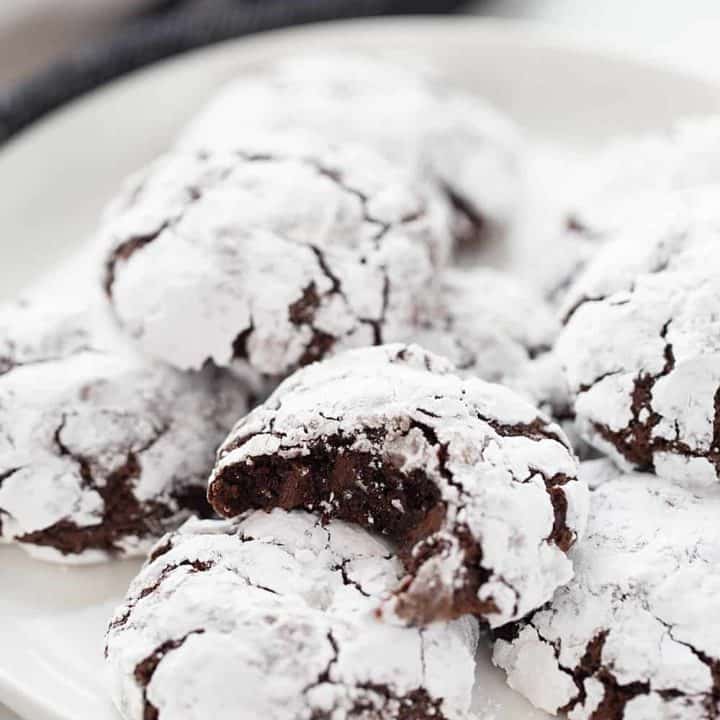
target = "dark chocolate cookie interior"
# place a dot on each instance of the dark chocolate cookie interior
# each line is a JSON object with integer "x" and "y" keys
{"x": 371, "y": 490}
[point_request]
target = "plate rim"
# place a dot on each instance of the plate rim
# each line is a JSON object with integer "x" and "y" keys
{"x": 530, "y": 33}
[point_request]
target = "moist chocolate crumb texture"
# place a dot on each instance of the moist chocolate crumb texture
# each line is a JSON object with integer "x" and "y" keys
{"x": 273, "y": 257}
{"x": 100, "y": 452}
{"x": 404, "y": 111}
{"x": 635, "y": 635}
{"x": 641, "y": 346}
{"x": 609, "y": 183}
{"x": 272, "y": 617}
{"x": 487, "y": 324}
{"x": 473, "y": 483}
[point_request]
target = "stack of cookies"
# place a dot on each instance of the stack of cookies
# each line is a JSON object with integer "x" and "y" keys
{"x": 351, "y": 449}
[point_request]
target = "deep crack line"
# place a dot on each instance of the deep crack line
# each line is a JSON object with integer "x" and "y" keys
{"x": 123, "y": 514}
{"x": 337, "y": 178}
{"x": 195, "y": 567}
{"x": 324, "y": 676}
{"x": 346, "y": 579}
{"x": 125, "y": 250}
{"x": 584, "y": 300}
{"x": 145, "y": 669}
{"x": 8, "y": 474}
{"x": 713, "y": 664}
{"x": 635, "y": 441}
{"x": 83, "y": 465}
{"x": 536, "y": 430}
{"x": 4, "y": 476}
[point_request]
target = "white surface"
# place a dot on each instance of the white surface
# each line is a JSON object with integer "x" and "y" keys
{"x": 58, "y": 176}
{"x": 683, "y": 34}
{"x": 52, "y": 625}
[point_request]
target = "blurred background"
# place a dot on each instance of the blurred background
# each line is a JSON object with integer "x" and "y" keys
{"x": 53, "y": 50}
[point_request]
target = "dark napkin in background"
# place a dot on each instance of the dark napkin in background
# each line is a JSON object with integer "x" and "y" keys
{"x": 172, "y": 27}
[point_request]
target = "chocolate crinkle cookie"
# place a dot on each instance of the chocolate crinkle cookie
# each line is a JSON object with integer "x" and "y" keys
{"x": 402, "y": 109}
{"x": 33, "y": 332}
{"x": 487, "y": 323}
{"x": 100, "y": 452}
{"x": 641, "y": 345}
{"x": 271, "y": 617}
{"x": 270, "y": 258}
{"x": 609, "y": 182}
{"x": 543, "y": 381}
{"x": 477, "y": 488}
{"x": 635, "y": 634}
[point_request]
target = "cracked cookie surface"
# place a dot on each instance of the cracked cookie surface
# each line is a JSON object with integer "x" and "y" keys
{"x": 101, "y": 452}
{"x": 635, "y": 635}
{"x": 543, "y": 381}
{"x": 35, "y": 333}
{"x": 641, "y": 347}
{"x": 487, "y": 323}
{"x": 613, "y": 180}
{"x": 272, "y": 617}
{"x": 476, "y": 486}
{"x": 273, "y": 257}
{"x": 404, "y": 111}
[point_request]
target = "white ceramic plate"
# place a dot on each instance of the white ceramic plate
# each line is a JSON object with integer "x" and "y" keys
{"x": 55, "y": 179}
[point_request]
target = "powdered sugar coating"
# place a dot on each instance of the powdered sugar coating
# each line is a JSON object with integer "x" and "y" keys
{"x": 101, "y": 452}
{"x": 34, "y": 333}
{"x": 663, "y": 232}
{"x": 271, "y": 257}
{"x": 272, "y": 617}
{"x": 476, "y": 485}
{"x": 487, "y": 323}
{"x": 640, "y": 347}
{"x": 607, "y": 185}
{"x": 543, "y": 381}
{"x": 404, "y": 110}
{"x": 635, "y": 634}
